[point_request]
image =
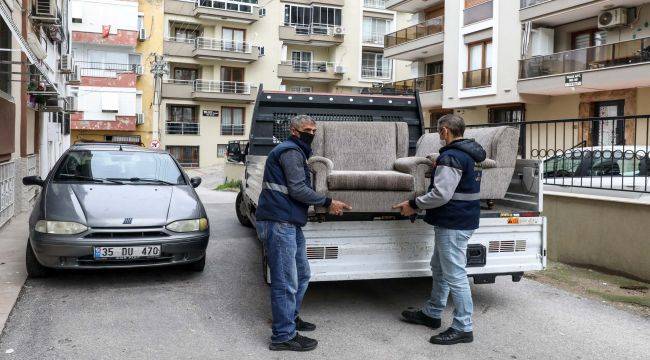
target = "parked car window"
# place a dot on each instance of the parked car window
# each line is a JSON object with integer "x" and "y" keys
{"x": 562, "y": 166}
{"x": 102, "y": 164}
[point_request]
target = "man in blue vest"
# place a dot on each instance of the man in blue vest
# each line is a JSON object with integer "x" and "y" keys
{"x": 453, "y": 207}
{"x": 282, "y": 212}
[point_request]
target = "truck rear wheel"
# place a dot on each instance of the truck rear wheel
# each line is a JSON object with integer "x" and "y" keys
{"x": 239, "y": 209}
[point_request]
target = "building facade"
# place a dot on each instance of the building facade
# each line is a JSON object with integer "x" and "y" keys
{"x": 113, "y": 42}
{"x": 220, "y": 53}
{"x": 35, "y": 104}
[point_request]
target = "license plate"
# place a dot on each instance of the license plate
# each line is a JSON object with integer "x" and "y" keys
{"x": 127, "y": 252}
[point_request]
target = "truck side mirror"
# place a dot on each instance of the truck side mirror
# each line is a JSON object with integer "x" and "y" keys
{"x": 34, "y": 180}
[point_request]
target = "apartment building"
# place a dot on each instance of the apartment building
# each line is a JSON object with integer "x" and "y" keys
{"x": 111, "y": 42}
{"x": 220, "y": 53}
{"x": 35, "y": 105}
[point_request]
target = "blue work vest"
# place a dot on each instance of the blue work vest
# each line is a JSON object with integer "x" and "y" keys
{"x": 275, "y": 204}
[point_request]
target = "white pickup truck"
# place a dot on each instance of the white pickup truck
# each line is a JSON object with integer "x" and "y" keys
{"x": 511, "y": 238}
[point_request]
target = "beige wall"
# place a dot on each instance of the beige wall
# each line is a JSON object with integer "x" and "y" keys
{"x": 606, "y": 234}
{"x": 558, "y": 107}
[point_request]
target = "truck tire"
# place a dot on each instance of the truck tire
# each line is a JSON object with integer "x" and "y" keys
{"x": 239, "y": 204}
{"x": 34, "y": 268}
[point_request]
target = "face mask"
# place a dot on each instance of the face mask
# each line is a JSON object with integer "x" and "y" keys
{"x": 306, "y": 137}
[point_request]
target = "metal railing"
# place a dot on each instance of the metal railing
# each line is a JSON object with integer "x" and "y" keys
{"x": 229, "y": 5}
{"x": 179, "y": 82}
{"x": 528, "y": 3}
{"x": 7, "y": 192}
{"x": 374, "y": 39}
{"x": 182, "y": 40}
{"x": 313, "y": 29}
{"x": 423, "y": 83}
{"x": 225, "y": 87}
{"x": 476, "y": 13}
{"x": 376, "y": 72}
{"x": 426, "y": 28}
{"x": 375, "y": 4}
{"x": 590, "y": 58}
{"x": 182, "y": 128}
{"x": 477, "y": 78}
{"x": 310, "y": 66}
{"x": 223, "y": 45}
{"x": 610, "y": 153}
{"x": 117, "y": 67}
{"x": 232, "y": 129}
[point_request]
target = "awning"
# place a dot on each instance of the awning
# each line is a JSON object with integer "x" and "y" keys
{"x": 6, "y": 16}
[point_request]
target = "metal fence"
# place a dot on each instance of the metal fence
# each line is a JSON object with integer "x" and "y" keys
{"x": 223, "y": 45}
{"x": 232, "y": 129}
{"x": 7, "y": 191}
{"x": 310, "y": 66}
{"x": 225, "y": 87}
{"x": 477, "y": 78}
{"x": 610, "y": 153}
{"x": 182, "y": 128}
{"x": 369, "y": 72}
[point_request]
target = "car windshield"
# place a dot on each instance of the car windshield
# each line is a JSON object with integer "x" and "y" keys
{"x": 562, "y": 166}
{"x": 117, "y": 167}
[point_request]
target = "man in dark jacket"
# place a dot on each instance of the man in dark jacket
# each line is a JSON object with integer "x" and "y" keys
{"x": 282, "y": 212}
{"x": 453, "y": 207}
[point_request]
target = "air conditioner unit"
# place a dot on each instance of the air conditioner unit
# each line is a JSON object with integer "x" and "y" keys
{"x": 262, "y": 12}
{"x": 71, "y": 104}
{"x": 337, "y": 31}
{"x": 139, "y": 119}
{"x": 45, "y": 10}
{"x": 142, "y": 34}
{"x": 612, "y": 18}
{"x": 262, "y": 51}
{"x": 74, "y": 77}
{"x": 65, "y": 64}
{"x": 338, "y": 69}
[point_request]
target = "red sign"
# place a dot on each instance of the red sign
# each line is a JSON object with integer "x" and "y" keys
{"x": 155, "y": 144}
{"x": 106, "y": 30}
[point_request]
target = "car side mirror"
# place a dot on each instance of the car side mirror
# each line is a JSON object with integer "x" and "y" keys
{"x": 33, "y": 180}
{"x": 195, "y": 182}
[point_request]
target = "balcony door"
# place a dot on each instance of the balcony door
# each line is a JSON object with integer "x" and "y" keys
{"x": 479, "y": 61}
{"x": 233, "y": 39}
{"x": 232, "y": 79}
{"x": 608, "y": 132}
{"x": 301, "y": 60}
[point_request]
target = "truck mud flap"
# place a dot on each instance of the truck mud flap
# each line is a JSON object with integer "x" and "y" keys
{"x": 491, "y": 278}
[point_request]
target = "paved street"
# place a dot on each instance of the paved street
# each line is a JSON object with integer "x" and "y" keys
{"x": 223, "y": 313}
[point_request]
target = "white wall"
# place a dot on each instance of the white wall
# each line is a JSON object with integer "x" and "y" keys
{"x": 122, "y": 15}
{"x": 90, "y": 102}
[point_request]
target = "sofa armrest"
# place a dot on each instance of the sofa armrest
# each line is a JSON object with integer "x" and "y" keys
{"x": 417, "y": 167}
{"x": 321, "y": 167}
{"x": 486, "y": 164}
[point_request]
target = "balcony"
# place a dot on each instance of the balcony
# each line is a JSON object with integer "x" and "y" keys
{"x": 376, "y": 73}
{"x": 375, "y": 4}
{"x": 411, "y": 6}
{"x": 179, "y": 46}
{"x": 417, "y": 41}
{"x": 314, "y": 35}
{"x": 619, "y": 65}
{"x": 182, "y": 128}
{"x": 319, "y": 71}
{"x": 209, "y": 90}
{"x": 476, "y": 13}
{"x": 430, "y": 88}
{"x": 227, "y": 10}
{"x": 232, "y": 129}
{"x": 531, "y": 9}
{"x": 477, "y": 78}
{"x": 207, "y": 48}
{"x": 374, "y": 40}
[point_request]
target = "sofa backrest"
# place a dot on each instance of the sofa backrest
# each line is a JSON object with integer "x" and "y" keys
{"x": 361, "y": 145}
{"x": 500, "y": 143}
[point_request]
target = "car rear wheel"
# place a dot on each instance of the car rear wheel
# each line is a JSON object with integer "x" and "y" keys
{"x": 197, "y": 266}
{"x": 34, "y": 268}
{"x": 239, "y": 204}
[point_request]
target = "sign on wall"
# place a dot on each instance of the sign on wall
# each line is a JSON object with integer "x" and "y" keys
{"x": 573, "y": 80}
{"x": 210, "y": 112}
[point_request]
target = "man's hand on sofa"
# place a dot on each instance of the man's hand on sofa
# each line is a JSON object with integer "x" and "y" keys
{"x": 337, "y": 207}
{"x": 405, "y": 209}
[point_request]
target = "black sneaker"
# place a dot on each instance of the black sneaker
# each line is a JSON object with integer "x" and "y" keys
{"x": 303, "y": 325}
{"x": 418, "y": 317}
{"x": 298, "y": 343}
{"x": 452, "y": 336}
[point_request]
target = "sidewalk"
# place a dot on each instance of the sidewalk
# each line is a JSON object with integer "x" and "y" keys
{"x": 13, "y": 240}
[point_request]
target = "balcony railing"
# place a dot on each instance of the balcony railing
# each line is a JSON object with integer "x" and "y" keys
{"x": 232, "y": 129}
{"x": 376, "y": 72}
{"x": 375, "y": 4}
{"x": 424, "y": 83}
{"x": 223, "y": 45}
{"x": 310, "y": 66}
{"x": 476, "y": 13}
{"x": 374, "y": 39}
{"x": 182, "y": 128}
{"x": 429, "y": 27}
{"x": 182, "y": 40}
{"x": 477, "y": 78}
{"x": 244, "y": 6}
{"x": 591, "y": 58}
{"x": 100, "y": 69}
{"x": 313, "y": 29}
{"x": 214, "y": 86}
{"x": 528, "y": 3}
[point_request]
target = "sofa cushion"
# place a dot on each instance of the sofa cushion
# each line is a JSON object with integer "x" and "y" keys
{"x": 370, "y": 180}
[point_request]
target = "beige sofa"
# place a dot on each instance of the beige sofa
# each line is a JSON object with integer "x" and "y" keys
{"x": 366, "y": 165}
{"x": 500, "y": 144}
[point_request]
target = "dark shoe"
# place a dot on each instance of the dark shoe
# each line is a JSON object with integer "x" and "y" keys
{"x": 303, "y": 325}
{"x": 452, "y": 336}
{"x": 418, "y": 317}
{"x": 298, "y": 343}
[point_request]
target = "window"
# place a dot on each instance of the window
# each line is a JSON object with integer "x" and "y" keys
{"x": 232, "y": 121}
{"x": 221, "y": 150}
{"x": 5, "y": 57}
{"x": 233, "y": 39}
{"x": 301, "y": 61}
{"x": 587, "y": 38}
{"x": 434, "y": 68}
{"x": 187, "y": 156}
{"x": 480, "y": 55}
{"x": 185, "y": 74}
{"x": 182, "y": 120}
{"x": 110, "y": 102}
{"x": 374, "y": 65}
{"x": 316, "y": 18}
{"x": 300, "y": 89}
{"x": 186, "y": 34}
{"x": 374, "y": 30}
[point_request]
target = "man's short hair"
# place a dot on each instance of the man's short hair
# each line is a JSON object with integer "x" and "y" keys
{"x": 298, "y": 120}
{"x": 454, "y": 123}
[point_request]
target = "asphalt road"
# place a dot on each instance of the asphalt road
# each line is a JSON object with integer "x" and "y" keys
{"x": 224, "y": 313}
